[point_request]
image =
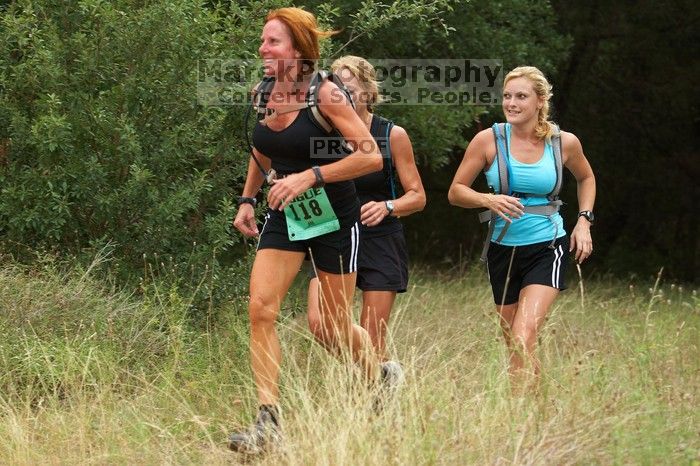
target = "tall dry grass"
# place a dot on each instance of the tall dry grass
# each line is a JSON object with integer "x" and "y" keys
{"x": 92, "y": 375}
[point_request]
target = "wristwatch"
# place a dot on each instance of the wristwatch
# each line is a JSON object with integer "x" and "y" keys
{"x": 320, "y": 183}
{"x": 588, "y": 215}
{"x": 247, "y": 200}
{"x": 389, "y": 206}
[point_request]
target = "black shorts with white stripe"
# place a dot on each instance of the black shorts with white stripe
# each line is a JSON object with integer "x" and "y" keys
{"x": 383, "y": 264}
{"x": 334, "y": 252}
{"x": 533, "y": 264}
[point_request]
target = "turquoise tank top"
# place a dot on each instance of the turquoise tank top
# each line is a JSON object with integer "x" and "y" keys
{"x": 536, "y": 180}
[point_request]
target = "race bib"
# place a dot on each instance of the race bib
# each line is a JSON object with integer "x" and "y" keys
{"x": 310, "y": 215}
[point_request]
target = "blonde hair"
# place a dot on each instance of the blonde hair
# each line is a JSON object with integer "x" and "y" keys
{"x": 365, "y": 74}
{"x": 544, "y": 129}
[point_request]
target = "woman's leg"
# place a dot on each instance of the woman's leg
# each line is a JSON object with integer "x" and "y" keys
{"x": 314, "y": 312}
{"x": 336, "y": 330}
{"x": 532, "y": 308}
{"x": 506, "y": 314}
{"x": 376, "y": 308}
{"x": 272, "y": 274}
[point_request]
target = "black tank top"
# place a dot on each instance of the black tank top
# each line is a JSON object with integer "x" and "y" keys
{"x": 376, "y": 186}
{"x": 299, "y": 147}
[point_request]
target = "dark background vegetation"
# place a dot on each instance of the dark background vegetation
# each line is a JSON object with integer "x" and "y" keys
{"x": 103, "y": 146}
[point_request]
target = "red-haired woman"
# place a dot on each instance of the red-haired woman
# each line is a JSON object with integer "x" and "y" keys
{"x": 311, "y": 189}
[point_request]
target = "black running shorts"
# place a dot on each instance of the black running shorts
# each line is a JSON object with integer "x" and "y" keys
{"x": 334, "y": 252}
{"x": 533, "y": 264}
{"x": 383, "y": 264}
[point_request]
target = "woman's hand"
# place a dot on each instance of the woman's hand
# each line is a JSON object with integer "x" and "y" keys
{"x": 506, "y": 207}
{"x": 245, "y": 221}
{"x": 284, "y": 190}
{"x": 581, "y": 240}
{"x": 372, "y": 213}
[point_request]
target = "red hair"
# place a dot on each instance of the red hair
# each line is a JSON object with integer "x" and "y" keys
{"x": 304, "y": 30}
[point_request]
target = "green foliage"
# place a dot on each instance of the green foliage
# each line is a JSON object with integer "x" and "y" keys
{"x": 450, "y": 30}
{"x": 104, "y": 141}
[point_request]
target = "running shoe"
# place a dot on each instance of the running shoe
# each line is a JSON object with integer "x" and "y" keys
{"x": 392, "y": 377}
{"x": 264, "y": 434}
{"x": 391, "y": 380}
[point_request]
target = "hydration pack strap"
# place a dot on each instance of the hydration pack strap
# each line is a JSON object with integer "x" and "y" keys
{"x": 558, "y": 164}
{"x": 261, "y": 95}
{"x": 312, "y": 98}
{"x": 390, "y": 160}
{"x": 547, "y": 209}
{"x": 504, "y": 175}
{"x": 272, "y": 113}
{"x": 255, "y": 103}
{"x": 380, "y": 129}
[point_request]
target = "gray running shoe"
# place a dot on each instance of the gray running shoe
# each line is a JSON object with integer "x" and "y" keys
{"x": 264, "y": 434}
{"x": 391, "y": 380}
{"x": 392, "y": 377}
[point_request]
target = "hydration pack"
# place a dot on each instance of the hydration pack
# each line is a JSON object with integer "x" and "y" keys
{"x": 505, "y": 176}
{"x": 261, "y": 95}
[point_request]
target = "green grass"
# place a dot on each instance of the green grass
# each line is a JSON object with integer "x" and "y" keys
{"x": 92, "y": 375}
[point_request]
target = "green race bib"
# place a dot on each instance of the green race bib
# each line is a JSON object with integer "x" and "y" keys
{"x": 310, "y": 215}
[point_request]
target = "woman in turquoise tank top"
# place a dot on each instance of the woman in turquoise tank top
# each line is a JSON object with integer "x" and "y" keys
{"x": 525, "y": 257}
